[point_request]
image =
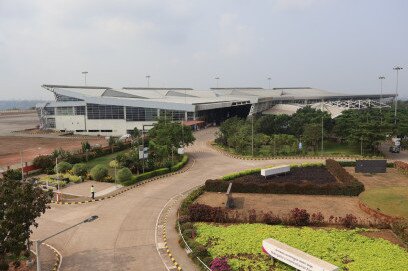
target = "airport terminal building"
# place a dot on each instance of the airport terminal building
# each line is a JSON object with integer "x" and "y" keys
{"x": 106, "y": 111}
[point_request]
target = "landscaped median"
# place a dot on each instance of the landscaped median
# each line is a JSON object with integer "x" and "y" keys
{"x": 135, "y": 181}
{"x": 227, "y": 239}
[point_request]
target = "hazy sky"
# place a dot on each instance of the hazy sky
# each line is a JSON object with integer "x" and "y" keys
{"x": 338, "y": 45}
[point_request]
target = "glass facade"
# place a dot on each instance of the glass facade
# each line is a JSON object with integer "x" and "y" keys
{"x": 174, "y": 115}
{"x": 65, "y": 111}
{"x": 63, "y": 98}
{"x": 97, "y": 111}
{"x": 79, "y": 110}
{"x": 140, "y": 114}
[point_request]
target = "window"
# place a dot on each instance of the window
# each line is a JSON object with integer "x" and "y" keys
{"x": 173, "y": 114}
{"x": 79, "y": 110}
{"x": 49, "y": 110}
{"x": 63, "y": 98}
{"x": 96, "y": 111}
{"x": 50, "y": 123}
{"x": 65, "y": 111}
{"x": 140, "y": 114}
{"x": 106, "y": 131}
{"x": 190, "y": 115}
{"x": 93, "y": 131}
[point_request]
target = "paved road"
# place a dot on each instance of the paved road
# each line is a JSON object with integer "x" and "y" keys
{"x": 123, "y": 238}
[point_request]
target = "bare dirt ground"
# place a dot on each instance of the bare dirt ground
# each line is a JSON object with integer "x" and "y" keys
{"x": 32, "y": 146}
{"x": 380, "y": 180}
{"x": 282, "y": 204}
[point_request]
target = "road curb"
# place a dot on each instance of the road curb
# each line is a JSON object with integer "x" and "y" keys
{"x": 184, "y": 169}
{"x": 226, "y": 153}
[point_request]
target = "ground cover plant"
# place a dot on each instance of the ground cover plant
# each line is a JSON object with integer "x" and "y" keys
{"x": 308, "y": 179}
{"x": 241, "y": 244}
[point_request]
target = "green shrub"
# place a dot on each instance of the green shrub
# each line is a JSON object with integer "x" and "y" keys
{"x": 63, "y": 167}
{"x": 99, "y": 172}
{"x": 240, "y": 174}
{"x": 12, "y": 174}
{"x": 44, "y": 162}
{"x": 124, "y": 175}
{"x": 190, "y": 200}
{"x": 180, "y": 164}
{"x": 79, "y": 169}
{"x": 147, "y": 175}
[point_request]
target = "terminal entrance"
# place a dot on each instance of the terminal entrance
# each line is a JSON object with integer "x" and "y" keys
{"x": 219, "y": 115}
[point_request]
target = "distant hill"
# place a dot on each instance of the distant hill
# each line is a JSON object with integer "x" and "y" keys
{"x": 18, "y": 104}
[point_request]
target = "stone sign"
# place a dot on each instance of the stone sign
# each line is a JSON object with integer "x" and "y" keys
{"x": 294, "y": 257}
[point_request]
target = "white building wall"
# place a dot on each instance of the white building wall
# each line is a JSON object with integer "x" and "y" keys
{"x": 70, "y": 123}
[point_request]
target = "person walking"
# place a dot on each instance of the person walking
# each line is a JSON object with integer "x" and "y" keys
{"x": 93, "y": 191}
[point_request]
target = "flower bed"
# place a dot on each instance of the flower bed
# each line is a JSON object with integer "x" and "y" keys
{"x": 308, "y": 179}
{"x": 348, "y": 249}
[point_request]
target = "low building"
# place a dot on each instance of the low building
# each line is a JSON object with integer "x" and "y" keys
{"x": 106, "y": 111}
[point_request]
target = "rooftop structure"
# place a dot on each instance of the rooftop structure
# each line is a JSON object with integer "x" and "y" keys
{"x": 107, "y": 111}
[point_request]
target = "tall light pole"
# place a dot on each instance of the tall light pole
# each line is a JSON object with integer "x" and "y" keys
{"x": 322, "y": 134}
{"x": 396, "y": 68}
{"x": 381, "y": 80}
{"x": 85, "y": 74}
{"x": 216, "y": 80}
{"x": 38, "y": 242}
{"x": 269, "y": 82}
{"x": 148, "y": 80}
{"x": 252, "y": 128}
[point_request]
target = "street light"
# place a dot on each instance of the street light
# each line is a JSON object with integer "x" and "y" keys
{"x": 148, "y": 80}
{"x": 396, "y": 68}
{"x": 381, "y": 80}
{"x": 216, "y": 80}
{"x": 85, "y": 73}
{"x": 38, "y": 242}
{"x": 269, "y": 82}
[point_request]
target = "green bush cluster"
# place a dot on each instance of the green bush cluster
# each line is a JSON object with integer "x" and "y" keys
{"x": 79, "y": 169}
{"x": 157, "y": 172}
{"x": 63, "y": 167}
{"x": 124, "y": 175}
{"x": 353, "y": 164}
{"x": 99, "y": 172}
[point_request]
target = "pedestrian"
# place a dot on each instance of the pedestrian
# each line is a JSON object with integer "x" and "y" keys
{"x": 93, "y": 191}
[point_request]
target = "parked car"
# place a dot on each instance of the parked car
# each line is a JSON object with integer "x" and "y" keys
{"x": 394, "y": 149}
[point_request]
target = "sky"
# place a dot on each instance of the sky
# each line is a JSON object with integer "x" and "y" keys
{"x": 335, "y": 45}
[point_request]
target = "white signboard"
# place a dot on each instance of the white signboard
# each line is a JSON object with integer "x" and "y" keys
{"x": 275, "y": 170}
{"x": 295, "y": 258}
{"x": 180, "y": 150}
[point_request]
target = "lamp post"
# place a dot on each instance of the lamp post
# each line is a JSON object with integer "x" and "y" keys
{"x": 396, "y": 68}
{"x": 148, "y": 80}
{"x": 381, "y": 80}
{"x": 252, "y": 128}
{"x": 22, "y": 166}
{"x": 38, "y": 242}
{"x": 322, "y": 134}
{"x": 269, "y": 82}
{"x": 216, "y": 80}
{"x": 85, "y": 74}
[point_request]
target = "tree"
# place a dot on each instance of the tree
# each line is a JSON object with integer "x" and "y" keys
{"x": 44, "y": 162}
{"x": 273, "y": 124}
{"x": 312, "y": 135}
{"x": 135, "y": 136}
{"x": 85, "y": 146}
{"x": 112, "y": 142}
{"x": 22, "y": 203}
{"x": 166, "y": 137}
{"x": 308, "y": 115}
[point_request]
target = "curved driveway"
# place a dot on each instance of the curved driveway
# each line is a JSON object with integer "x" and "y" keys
{"x": 123, "y": 238}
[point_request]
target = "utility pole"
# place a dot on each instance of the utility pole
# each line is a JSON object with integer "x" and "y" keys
{"x": 148, "y": 81}
{"x": 361, "y": 145}
{"x": 252, "y": 118}
{"x": 396, "y": 68}
{"x": 38, "y": 242}
{"x": 22, "y": 166}
{"x": 269, "y": 82}
{"x": 85, "y": 73}
{"x": 322, "y": 134}
{"x": 216, "y": 80}
{"x": 381, "y": 93}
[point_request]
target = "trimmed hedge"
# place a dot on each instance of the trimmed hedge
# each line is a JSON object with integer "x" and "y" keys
{"x": 99, "y": 172}
{"x": 180, "y": 164}
{"x": 346, "y": 184}
{"x": 157, "y": 172}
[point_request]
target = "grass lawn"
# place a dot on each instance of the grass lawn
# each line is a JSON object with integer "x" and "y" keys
{"x": 104, "y": 160}
{"x": 340, "y": 148}
{"x": 241, "y": 244}
{"x": 390, "y": 200}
